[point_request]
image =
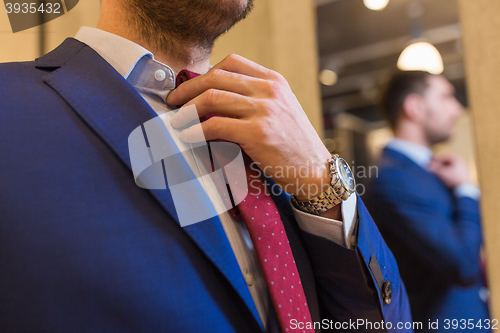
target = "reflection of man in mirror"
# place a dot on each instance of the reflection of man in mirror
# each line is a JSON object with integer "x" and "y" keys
{"x": 425, "y": 206}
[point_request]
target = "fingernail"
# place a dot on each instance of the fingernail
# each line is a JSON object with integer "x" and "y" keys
{"x": 192, "y": 134}
{"x": 174, "y": 121}
{"x": 183, "y": 135}
{"x": 184, "y": 116}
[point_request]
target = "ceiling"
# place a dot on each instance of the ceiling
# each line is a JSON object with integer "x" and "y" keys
{"x": 362, "y": 46}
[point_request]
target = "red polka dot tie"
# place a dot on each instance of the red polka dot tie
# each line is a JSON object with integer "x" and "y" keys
{"x": 270, "y": 241}
{"x": 263, "y": 222}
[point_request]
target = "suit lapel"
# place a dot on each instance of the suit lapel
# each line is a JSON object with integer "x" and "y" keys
{"x": 113, "y": 109}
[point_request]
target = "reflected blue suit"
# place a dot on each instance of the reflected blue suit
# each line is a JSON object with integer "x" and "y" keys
{"x": 435, "y": 237}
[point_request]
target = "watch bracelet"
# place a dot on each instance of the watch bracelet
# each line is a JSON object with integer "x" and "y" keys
{"x": 334, "y": 195}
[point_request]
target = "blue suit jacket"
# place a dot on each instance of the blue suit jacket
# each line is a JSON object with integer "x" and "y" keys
{"x": 83, "y": 249}
{"x": 435, "y": 237}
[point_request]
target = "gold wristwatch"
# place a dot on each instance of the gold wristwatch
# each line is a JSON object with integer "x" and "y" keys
{"x": 341, "y": 187}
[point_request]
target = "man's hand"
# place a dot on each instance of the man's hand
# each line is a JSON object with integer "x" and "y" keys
{"x": 451, "y": 169}
{"x": 263, "y": 117}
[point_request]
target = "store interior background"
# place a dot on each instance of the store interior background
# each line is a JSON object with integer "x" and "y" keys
{"x": 300, "y": 39}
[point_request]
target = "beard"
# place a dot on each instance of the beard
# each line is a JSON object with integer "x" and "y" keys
{"x": 435, "y": 135}
{"x": 435, "y": 138}
{"x": 174, "y": 27}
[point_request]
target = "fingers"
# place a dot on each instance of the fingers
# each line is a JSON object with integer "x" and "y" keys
{"x": 215, "y": 79}
{"x": 434, "y": 169}
{"x": 227, "y": 129}
{"x": 238, "y": 64}
{"x": 213, "y": 101}
{"x": 234, "y": 73}
{"x": 448, "y": 161}
{"x": 444, "y": 160}
{"x": 433, "y": 165}
{"x": 448, "y": 157}
{"x": 438, "y": 165}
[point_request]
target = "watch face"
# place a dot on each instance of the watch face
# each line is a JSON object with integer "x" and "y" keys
{"x": 345, "y": 175}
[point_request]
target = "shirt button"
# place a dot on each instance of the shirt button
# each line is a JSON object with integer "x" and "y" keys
{"x": 249, "y": 279}
{"x": 160, "y": 75}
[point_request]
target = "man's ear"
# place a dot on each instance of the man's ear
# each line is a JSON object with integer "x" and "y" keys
{"x": 413, "y": 108}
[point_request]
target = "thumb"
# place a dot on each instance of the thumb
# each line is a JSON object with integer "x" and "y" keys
{"x": 434, "y": 164}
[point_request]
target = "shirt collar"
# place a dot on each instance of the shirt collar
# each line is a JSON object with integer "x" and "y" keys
{"x": 419, "y": 154}
{"x": 121, "y": 53}
{"x": 135, "y": 63}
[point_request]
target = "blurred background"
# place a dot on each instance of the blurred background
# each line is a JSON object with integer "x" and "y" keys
{"x": 338, "y": 54}
{"x": 360, "y": 44}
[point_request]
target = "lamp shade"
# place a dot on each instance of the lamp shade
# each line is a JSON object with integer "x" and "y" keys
{"x": 421, "y": 56}
{"x": 328, "y": 77}
{"x": 375, "y": 4}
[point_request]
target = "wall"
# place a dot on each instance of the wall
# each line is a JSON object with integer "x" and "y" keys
{"x": 481, "y": 38}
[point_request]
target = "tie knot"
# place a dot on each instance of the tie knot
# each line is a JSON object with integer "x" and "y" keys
{"x": 183, "y": 76}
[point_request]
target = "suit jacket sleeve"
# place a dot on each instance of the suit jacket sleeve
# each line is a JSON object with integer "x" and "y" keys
{"x": 447, "y": 241}
{"x": 347, "y": 288}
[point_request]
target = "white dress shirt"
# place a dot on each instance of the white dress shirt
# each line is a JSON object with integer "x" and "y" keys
{"x": 422, "y": 156}
{"x": 154, "y": 80}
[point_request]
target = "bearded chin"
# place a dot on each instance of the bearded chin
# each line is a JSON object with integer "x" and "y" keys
{"x": 175, "y": 27}
{"x": 435, "y": 138}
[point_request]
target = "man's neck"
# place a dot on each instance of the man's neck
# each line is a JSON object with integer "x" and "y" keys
{"x": 197, "y": 60}
{"x": 412, "y": 134}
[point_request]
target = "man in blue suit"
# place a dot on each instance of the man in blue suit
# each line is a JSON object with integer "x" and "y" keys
{"x": 84, "y": 249}
{"x": 426, "y": 208}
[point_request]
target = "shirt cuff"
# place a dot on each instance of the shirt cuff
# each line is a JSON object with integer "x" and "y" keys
{"x": 467, "y": 190}
{"x": 340, "y": 232}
